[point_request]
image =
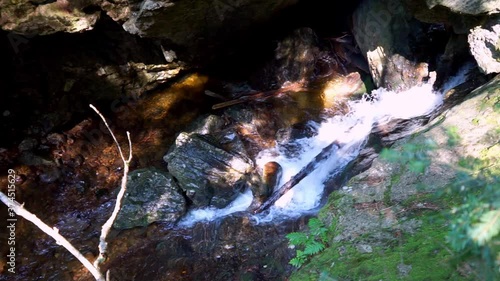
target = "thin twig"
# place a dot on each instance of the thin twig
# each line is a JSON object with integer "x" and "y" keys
{"x": 52, "y": 232}
{"x": 106, "y": 228}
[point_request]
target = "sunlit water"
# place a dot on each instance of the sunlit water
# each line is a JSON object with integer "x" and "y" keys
{"x": 351, "y": 131}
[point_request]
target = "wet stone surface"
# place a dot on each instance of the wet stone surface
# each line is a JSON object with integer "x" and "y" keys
{"x": 151, "y": 196}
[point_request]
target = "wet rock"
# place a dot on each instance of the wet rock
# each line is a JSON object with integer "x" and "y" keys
{"x": 383, "y": 31}
{"x": 210, "y": 124}
{"x": 342, "y": 87}
{"x": 455, "y": 53}
{"x": 131, "y": 78}
{"x": 151, "y": 196}
{"x": 209, "y": 173}
{"x": 227, "y": 249}
{"x": 296, "y": 56}
{"x": 484, "y": 44}
{"x": 271, "y": 176}
{"x": 303, "y": 58}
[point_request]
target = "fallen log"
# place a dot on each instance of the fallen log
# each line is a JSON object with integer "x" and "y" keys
{"x": 259, "y": 96}
{"x": 325, "y": 153}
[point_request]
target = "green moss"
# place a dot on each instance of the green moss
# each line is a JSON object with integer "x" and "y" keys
{"x": 330, "y": 213}
{"x": 425, "y": 251}
{"x": 388, "y": 191}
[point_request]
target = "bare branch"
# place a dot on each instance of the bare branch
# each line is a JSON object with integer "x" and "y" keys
{"x": 112, "y": 135}
{"x": 106, "y": 227}
{"x": 52, "y": 232}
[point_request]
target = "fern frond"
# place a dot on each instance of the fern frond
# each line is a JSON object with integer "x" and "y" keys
{"x": 313, "y": 248}
{"x": 487, "y": 228}
{"x": 314, "y": 224}
{"x": 297, "y": 238}
{"x": 297, "y": 262}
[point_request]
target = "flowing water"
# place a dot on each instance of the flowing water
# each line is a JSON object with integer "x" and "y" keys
{"x": 350, "y": 130}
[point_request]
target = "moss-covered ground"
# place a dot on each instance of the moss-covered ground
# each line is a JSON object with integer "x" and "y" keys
{"x": 424, "y": 250}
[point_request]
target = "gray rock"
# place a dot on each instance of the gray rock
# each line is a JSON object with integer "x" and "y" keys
{"x": 192, "y": 23}
{"x": 472, "y": 7}
{"x": 210, "y": 171}
{"x": 484, "y": 44}
{"x": 383, "y": 30}
{"x": 30, "y": 18}
{"x": 151, "y": 196}
{"x": 404, "y": 269}
{"x": 363, "y": 248}
{"x": 460, "y": 22}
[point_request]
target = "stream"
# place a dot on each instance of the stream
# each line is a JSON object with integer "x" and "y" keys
{"x": 208, "y": 243}
{"x": 350, "y": 130}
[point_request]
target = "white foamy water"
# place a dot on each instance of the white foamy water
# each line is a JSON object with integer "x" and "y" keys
{"x": 351, "y": 131}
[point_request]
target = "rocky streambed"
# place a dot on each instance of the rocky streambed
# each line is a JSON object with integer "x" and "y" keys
{"x": 188, "y": 155}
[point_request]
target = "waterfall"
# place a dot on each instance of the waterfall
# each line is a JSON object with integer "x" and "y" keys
{"x": 350, "y": 130}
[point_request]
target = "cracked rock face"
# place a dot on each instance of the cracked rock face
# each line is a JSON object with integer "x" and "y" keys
{"x": 40, "y": 18}
{"x": 208, "y": 173}
{"x": 151, "y": 196}
{"x": 197, "y": 23}
{"x": 194, "y": 21}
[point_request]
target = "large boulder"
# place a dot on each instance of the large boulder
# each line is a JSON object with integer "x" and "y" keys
{"x": 199, "y": 22}
{"x": 383, "y": 31}
{"x": 484, "y": 44}
{"x": 212, "y": 169}
{"x": 472, "y": 125}
{"x": 151, "y": 196}
{"x": 391, "y": 35}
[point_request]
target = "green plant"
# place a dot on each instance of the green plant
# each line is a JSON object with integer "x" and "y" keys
{"x": 474, "y": 220}
{"x": 310, "y": 243}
